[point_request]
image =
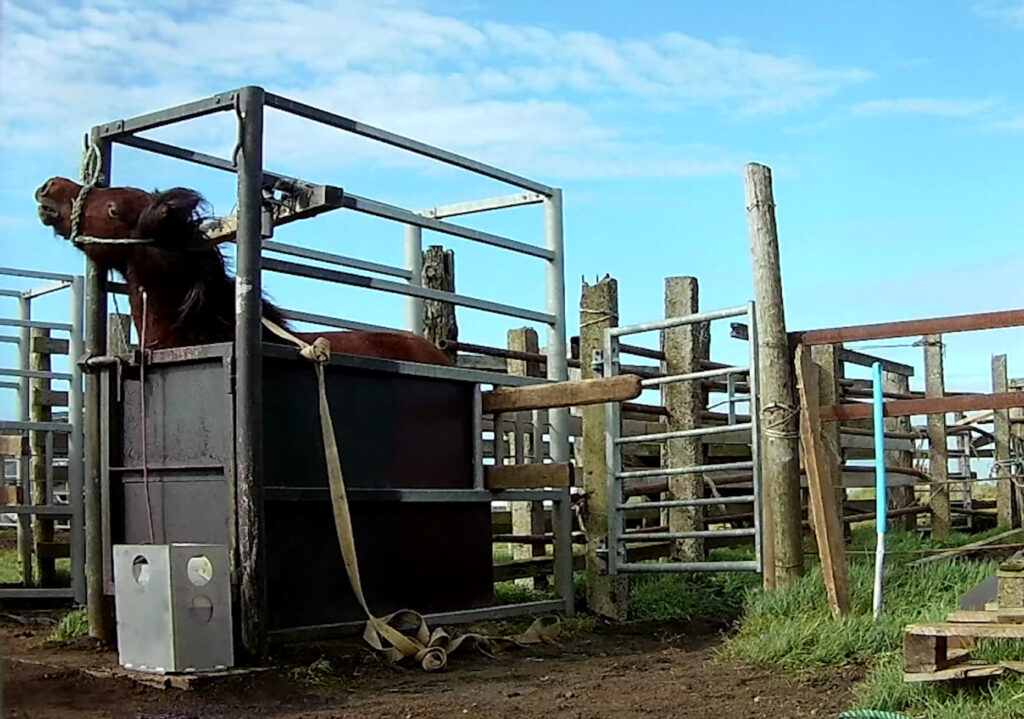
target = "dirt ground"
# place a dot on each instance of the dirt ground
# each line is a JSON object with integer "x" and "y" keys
{"x": 640, "y": 671}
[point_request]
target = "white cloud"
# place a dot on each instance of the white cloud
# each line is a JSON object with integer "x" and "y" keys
{"x": 496, "y": 90}
{"x": 1015, "y": 124}
{"x": 950, "y": 107}
{"x": 1009, "y": 12}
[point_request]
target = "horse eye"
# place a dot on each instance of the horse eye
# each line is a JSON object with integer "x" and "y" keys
{"x": 112, "y": 210}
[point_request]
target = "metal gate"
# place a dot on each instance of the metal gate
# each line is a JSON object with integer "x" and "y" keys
{"x": 618, "y": 538}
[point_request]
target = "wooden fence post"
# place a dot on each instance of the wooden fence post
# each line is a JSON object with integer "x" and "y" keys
{"x": 830, "y": 371}
{"x": 41, "y": 400}
{"x": 899, "y": 497}
{"x": 527, "y": 517}
{"x": 119, "y": 334}
{"x": 1015, "y": 415}
{"x": 439, "y": 317}
{"x": 780, "y": 462}
{"x": 606, "y": 595}
{"x": 1005, "y": 504}
{"x": 684, "y": 347}
{"x": 938, "y": 451}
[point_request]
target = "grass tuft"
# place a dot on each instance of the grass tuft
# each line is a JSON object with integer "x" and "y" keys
{"x": 71, "y": 626}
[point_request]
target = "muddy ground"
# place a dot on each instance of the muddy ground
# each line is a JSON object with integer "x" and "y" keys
{"x": 641, "y": 671}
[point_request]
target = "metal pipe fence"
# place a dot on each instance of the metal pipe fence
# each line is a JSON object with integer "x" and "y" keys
{"x": 61, "y": 500}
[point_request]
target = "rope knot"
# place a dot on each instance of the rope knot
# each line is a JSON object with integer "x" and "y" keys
{"x": 319, "y": 351}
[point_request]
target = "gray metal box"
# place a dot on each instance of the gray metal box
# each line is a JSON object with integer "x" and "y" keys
{"x": 173, "y": 606}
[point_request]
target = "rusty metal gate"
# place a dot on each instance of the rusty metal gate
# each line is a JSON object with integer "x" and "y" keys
{"x": 618, "y": 538}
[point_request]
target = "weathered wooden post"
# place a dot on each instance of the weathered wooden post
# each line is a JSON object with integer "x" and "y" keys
{"x": 42, "y": 399}
{"x": 599, "y": 310}
{"x": 528, "y": 518}
{"x": 830, "y": 371}
{"x": 684, "y": 347}
{"x": 938, "y": 452}
{"x": 780, "y": 463}
{"x": 899, "y": 497}
{"x": 119, "y": 333}
{"x": 439, "y": 317}
{"x": 1006, "y": 510}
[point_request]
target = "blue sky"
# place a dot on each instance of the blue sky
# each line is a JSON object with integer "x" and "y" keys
{"x": 894, "y": 131}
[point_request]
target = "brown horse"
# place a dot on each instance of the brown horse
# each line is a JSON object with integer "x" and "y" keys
{"x": 189, "y": 297}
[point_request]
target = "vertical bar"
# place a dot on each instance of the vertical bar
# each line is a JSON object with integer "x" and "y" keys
{"x": 557, "y": 363}
{"x": 414, "y": 263}
{"x": 540, "y": 418}
{"x": 730, "y": 384}
{"x": 100, "y": 620}
{"x": 500, "y": 450}
{"x": 753, "y": 388}
{"x": 562, "y": 526}
{"x": 25, "y": 539}
{"x": 478, "y": 438}
{"x": 880, "y": 483}
{"x": 75, "y": 450}
{"x": 248, "y": 376}
{"x": 613, "y": 454}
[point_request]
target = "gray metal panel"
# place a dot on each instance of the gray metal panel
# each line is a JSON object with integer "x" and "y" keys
{"x": 143, "y": 603}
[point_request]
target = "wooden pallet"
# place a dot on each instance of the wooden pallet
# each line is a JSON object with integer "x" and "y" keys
{"x": 941, "y": 651}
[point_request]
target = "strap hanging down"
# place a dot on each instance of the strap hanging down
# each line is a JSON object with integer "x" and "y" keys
{"x": 429, "y": 649}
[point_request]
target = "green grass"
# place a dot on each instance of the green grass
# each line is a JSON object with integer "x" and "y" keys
{"x": 10, "y": 568}
{"x": 793, "y": 629}
{"x": 71, "y": 626}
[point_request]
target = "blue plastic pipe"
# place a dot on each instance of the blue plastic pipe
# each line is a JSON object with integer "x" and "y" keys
{"x": 881, "y": 506}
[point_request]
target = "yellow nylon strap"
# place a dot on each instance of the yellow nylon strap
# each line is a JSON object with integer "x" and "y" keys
{"x": 429, "y": 650}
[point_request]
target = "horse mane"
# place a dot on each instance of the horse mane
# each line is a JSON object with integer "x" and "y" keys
{"x": 174, "y": 220}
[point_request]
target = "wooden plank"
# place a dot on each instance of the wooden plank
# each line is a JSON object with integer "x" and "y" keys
{"x": 967, "y": 548}
{"x": 866, "y": 360}
{"x": 528, "y": 476}
{"x": 938, "y": 450}
{"x": 10, "y": 495}
{"x": 967, "y": 671}
{"x": 53, "y": 550}
{"x": 41, "y": 398}
{"x": 899, "y": 497}
{"x": 978, "y": 631}
{"x": 44, "y": 397}
{"x": 912, "y": 328}
{"x": 780, "y": 465}
{"x": 14, "y": 445}
{"x": 827, "y": 526}
{"x": 49, "y": 345}
{"x": 562, "y": 394}
{"x": 911, "y": 407}
{"x": 684, "y": 347}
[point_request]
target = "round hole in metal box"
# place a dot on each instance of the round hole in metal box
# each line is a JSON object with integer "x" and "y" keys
{"x": 201, "y": 609}
{"x": 140, "y": 569}
{"x": 199, "y": 570}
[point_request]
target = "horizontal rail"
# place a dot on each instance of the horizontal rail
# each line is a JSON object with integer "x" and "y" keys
{"x": 47, "y": 289}
{"x": 36, "y": 274}
{"x": 333, "y": 321}
{"x": 930, "y": 405}
{"x": 10, "y": 293}
{"x": 10, "y": 385}
{"x": 695, "y": 534}
{"x": 347, "y": 278}
{"x": 193, "y": 156}
{"x": 641, "y": 568}
{"x": 678, "y": 321}
{"x": 696, "y": 469}
{"x": 391, "y": 212}
{"x": 578, "y": 393}
{"x": 36, "y": 593}
{"x": 683, "y": 433}
{"x": 152, "y": 120}
{"x": 36, "y": 324}
{"x": 40, "y": 510}
{"x": 701, "y": 502}
{"x": 9, "y": 339}
{"x": 866, "y": 360}
{"x": 704, "y": 374}
{"x": 35, "y": 374}
{"x": 486, "y": 205}
{"x": 912, "y": 328}
{"x": 406, "y": 143}
{"x": 331, "y": 258}
{"x": 15, "y": 425}
{"x": 647, "y": 352}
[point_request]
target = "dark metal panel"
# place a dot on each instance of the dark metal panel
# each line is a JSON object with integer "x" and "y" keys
{"x": 426, "y": 557}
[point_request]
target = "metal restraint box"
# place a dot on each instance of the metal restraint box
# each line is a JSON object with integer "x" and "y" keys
{"x": 173, "y": 605}
{"x": 401, "y": 429}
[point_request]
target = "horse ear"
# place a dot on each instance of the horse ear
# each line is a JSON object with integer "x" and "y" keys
{"x": 171, "y": 215}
